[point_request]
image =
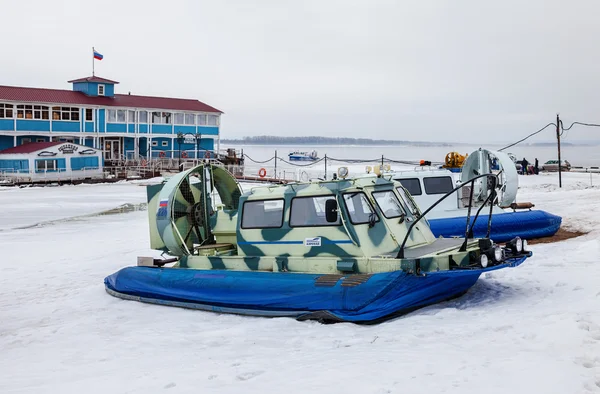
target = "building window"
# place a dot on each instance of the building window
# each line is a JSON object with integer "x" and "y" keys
{"x": 189, "y": 119}
{"x": 161, "y": 117}
{"x": 65, "y": 113}
{"x": 40, "y": 140}
{"x": 202, "y": 120}
{"x": 100, "y": 90}
{"x": 143, "y": 116}
{"x": 178, "y": 118}
{"x": 165, "y": 143}
{"x": 212, "y": 120}
{"x": 121, "y": 116}
{"x": 131, "y": 116}
{"x": 154, "y": 143}
{"x": 310, "y": 211}
{"x": 89, "y": 114}
{"x": 438, "y": 185}
{"x": 112, "y": 116}
{"x": 25, "y": 141}
{"x": 45, "y": 165}
{"x": 6, "y": 111}
{"x": 262, "y": 214}
{"x": 33, "y": 112}
{"x": 359, "y": 208}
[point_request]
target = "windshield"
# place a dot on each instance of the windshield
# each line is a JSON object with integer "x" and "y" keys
{"x": 389, "y": 204}
{"x": 408, "y": 201}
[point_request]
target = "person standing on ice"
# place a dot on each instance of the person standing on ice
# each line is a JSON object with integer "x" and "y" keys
{"x": 524, "y": 164}
{"x": 536, "y": 168}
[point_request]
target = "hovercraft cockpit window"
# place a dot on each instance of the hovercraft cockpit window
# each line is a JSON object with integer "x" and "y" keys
{"x": 389, "y": 204}
{"x": 413, "y": 185}
{"x": 359, "y": 208}
{"x": 438, "y": 185}
{"x": 262, "y": 214}
{"x": 310, "y": 211}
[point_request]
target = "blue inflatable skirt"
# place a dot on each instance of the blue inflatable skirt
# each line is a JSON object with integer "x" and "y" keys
{"x": 505, "y": 226}
{"x": 373, "y": 298}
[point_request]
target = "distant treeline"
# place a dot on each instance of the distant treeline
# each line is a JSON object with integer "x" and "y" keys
{"x": 315, "y": 140}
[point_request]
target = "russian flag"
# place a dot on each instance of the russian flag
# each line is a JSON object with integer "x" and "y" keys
{"x": 163, "y": 203}
{"x": 98, "y": 55}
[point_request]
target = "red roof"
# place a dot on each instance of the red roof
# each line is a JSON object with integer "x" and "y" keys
{"x": 57, "y": 96}
{"x": 93, "y": 79}
{"x": 30, "y": 147}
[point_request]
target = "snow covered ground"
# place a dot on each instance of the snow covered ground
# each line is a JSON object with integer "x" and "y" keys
{"x": 532, "y": 329}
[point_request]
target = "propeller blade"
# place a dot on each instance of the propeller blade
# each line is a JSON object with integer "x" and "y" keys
{"x": 186, "y": 191}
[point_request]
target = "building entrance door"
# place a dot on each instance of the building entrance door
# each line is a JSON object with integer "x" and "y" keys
{"x": 112, "y": 149}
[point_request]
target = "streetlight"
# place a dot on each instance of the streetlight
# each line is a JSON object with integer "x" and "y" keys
{"x": 180, "y": 139}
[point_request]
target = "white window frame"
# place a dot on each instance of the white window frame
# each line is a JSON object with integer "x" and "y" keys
{"x": 175, "y": 120}
{"x": 154, "y": 143}
{"x": 101, "y": 90}
{"x": 54, "y": 166}
{"x": 7, "y": 107}
{"x": 162, "y": 115}
{"x": 139, "y": 117}
{"x": 63, "y": 110}
{"x": 85, "y": 114}
{"x": 201, "y": 122}
{"x": 131, "y": 112}
{"x": 165, "y": 143}
{"x": 187, "y": 116}
{"x": 108, "y": 112}
{"x": 25, "y": 141}
{"x": 212, "y": 116}
{"x": 36, "y": 111}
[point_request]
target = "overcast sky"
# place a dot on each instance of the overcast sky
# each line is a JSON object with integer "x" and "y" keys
{"x": 468, "y": 71}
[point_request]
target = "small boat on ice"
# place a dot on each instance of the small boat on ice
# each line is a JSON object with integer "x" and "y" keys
{"x": 303, "y": 156}
{"x": 353, "y": 250}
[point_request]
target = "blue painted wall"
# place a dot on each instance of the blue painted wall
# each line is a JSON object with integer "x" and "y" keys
{"x": 162, "y": 129}
{"x": 185, "y": 129}
{"x": 6, "y": 142}
{"x": 59, "y": 125}
{"x": 89, "y": 142}
{"x": 208, "y": 130}
{"x": 143, "y": 128}
{"x": 128, "y": 144}
{"x": 131, "y": 128}
{"x": 91, "y": 88}
{"x": 101, "y": 119}
{"x": 7, "y": 124}
{"x": 116, "y": 128}
{"x": 143, "y": 146}
{"x": 89, "y": 126}
{"x": 34, "y": 125}
{"x": 160, "y": 141}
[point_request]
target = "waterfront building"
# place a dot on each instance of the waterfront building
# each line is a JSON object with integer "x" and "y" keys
{"x": 123, "y": 126}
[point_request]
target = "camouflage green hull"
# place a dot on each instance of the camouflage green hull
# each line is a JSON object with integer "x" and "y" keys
{"x": 360, "y": 298}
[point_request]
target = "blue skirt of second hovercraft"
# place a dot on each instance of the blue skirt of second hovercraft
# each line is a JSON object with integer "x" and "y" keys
{"x": 505, "y": 226}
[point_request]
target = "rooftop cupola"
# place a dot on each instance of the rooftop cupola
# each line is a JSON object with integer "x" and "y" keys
{"x": 94, "y": 86}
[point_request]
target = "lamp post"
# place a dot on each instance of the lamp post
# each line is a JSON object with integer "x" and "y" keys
{"x": 198, "y": 137}
{"x": 179, "y": 142}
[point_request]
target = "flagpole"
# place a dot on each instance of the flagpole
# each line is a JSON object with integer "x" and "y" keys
{"x": 93, "y": 62}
